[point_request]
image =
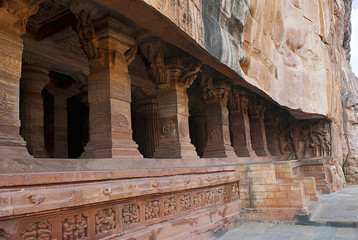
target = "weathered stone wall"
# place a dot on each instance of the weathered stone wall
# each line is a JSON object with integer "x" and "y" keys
{"x": 295, "y": 51}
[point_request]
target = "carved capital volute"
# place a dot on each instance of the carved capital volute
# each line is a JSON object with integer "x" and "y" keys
{"x": 244, "y": 101}
{"x": 15, "y": 13}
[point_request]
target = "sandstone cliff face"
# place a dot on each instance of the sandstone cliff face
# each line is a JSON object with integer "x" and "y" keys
{"x": 296, "y": 51}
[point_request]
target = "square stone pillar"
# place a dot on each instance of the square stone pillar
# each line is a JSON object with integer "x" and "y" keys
{"x": 240, "y": 123}
{"x": 33, "y": 80}
{"x": 217, "y": 114}
{"x": 258, "y": 131}
{"x": 174, "y": 140}
{"x": 12, "y": 26}
{"x": 272, "y": 132}
{"x": 110, "y": 50}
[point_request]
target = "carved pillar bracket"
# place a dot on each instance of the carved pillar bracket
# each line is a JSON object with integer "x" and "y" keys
{"x": 173, "y": 106}
{"x": 109, "y": 91}
{"x": 258, "y": 132}
{"x": 13, "y": 18}
{"x": 152, "y": 48}
{"x": 15, "y": 13}
{"x": 35, "y": 75}
{"x": 217, "y": 114}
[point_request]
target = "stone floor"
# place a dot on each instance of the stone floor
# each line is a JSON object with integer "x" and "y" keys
{"x": 339, "y": 208}
{"x": 336, "y": 218}
{"x": 282, "y": 231}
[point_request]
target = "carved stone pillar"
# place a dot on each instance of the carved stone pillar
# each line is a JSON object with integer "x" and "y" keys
{"x": 60, "y": 96}
{"x": 149, "y": 109}
{"x": 258, "y": 132}
{"x": 217, "y": 114}
{"x": 33, "y": 80}
{"x": 240, "y": 123}
{"x": 13, "y": 19}
{"x": 174, "y": 141}
{"x": 272, "y": 135}
{"x": 109, "y": 50}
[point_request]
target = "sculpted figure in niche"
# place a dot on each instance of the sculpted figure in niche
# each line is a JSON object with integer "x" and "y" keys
{"x": 287, "y": 147}
{"x": 68, "y": 228}
{"x": 30, "y": 232}
{"x": 109, "y": 220}
{"x": 81, "y": 226}
{"x": 130, "y": 214}
{"x": 99, "y": 219}
{"x": 44, "y": 230}
{"x": 152, "y": 210}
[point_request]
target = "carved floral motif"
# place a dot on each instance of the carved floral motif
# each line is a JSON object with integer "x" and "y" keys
{"x": 168, "y": 129}
{"x": 152, "y": 210}
{"x": 37, "y": 230}
{"x": 99, "y": 119}
{"x": 4, "y": 106}
{"x": 130, "y": 214}
{"x": 105, "y": 220}
{"x": 75, "y": 228}
{"x": 121, "y": 121}
{"x": 170, "y": 206}
{"x": 215, "y": 135}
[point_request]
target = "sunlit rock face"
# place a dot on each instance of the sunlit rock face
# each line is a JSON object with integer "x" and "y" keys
{"x": 296, "y": 51}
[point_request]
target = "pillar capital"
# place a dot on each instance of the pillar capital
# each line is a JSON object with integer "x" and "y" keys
{"x": 215, "y": 91}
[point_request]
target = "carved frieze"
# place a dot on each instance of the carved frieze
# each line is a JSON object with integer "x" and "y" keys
{"x": 185, "y": 203}
{"x": 130, "y": 215}
{"x": 37, "y": 230}
{"x": 170, "y": 206}
{"x": 75, "y": 227}
{"x": 218, "y": 195}
{"x": 152, "y": 210}
{"x": 105, "y": 220}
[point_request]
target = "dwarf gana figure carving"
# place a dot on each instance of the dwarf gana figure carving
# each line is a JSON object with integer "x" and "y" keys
{"x": 152, "y": 210}
{"x": 130, "y": 214}
{"x": 37, "y": 231}
{"x": 185, "y": 203}
{"x": 75, "y": 228}
{"x": 208, "y": 198}
{"x": 29, "y": 232}
{"x": 99, "y": 220}
{"x": 81, "y": 227}
{"x": 44, "y": 230}
{"x": 170, "y": 206}
{"x": 68, "y": 228}
{"x": 197, "y": 200}
{"x": 110, "y": 220}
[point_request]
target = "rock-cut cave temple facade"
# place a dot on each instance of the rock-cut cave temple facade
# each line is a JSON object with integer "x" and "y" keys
{"x": 171, "y": 119}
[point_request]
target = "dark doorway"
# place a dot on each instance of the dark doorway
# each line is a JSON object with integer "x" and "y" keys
{"x": 78, "y": 127}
